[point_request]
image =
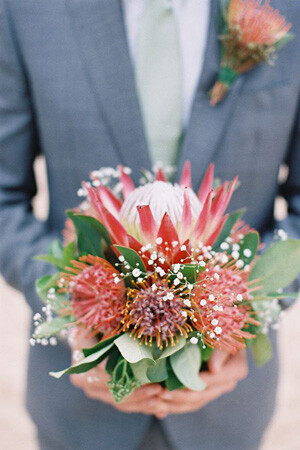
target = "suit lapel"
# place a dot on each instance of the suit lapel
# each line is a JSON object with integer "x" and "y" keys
{"x": 99, "y": 29}
{"x": 203, "y": 137}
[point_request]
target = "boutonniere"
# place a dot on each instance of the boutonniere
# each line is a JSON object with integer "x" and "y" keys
{"x": 251, "y": 32}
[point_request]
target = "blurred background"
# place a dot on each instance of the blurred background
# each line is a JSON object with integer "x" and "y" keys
{"x": 18, "y": 432}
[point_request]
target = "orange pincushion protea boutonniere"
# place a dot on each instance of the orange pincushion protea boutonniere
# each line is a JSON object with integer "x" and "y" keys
{"x": 252, "y": 32}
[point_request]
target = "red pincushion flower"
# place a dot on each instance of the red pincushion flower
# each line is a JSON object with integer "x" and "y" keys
{"x": 219, "y": 316}
{"x": 97, "y": 301}
{"x": 155, "y": 310}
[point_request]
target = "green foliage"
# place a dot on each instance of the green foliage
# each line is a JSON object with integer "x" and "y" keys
{"x": 56, "y": 301}
{"x": 132, "y": 350}
{"x": 58, "y": 256}
{"x": 131, "y": 257}
{"x": 90, "y": 234}
{"x": 98, "y": 346}
{"x": 261, "y": 349}
{"x": 284, "y": 40}
{"x": 191, "y": 272}
{"x": 56, "y": 249}
{"x": 172, "y": 383}
{"x": 168, "y": 351}
{"x": 69, "y": 253}
{"x": 85, "y": 364}
{"x": 186, "y": 365}
{"x": 123, "y": 381}
{"x": 159, "y": 372}
{"x": 46, "y": 329}
{"x": 140, "y": 370}
{"x": 226, "y": 230}
{"x": 205, "y": 352}
{"x": 58, "y": 263}
{"x": 251, "y": 242}
{"x": 43, "y": 284}
{"x": 155, "y": 369}
{"x": 278, "y": 266}
{"x": 273, "y": 295}
{"x": 112, "y": 360}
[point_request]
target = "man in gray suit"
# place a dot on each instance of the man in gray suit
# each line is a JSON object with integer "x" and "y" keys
{"x": 72, "y": 89}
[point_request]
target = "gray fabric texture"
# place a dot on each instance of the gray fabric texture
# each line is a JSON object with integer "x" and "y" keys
{"x": 67, "y": 91}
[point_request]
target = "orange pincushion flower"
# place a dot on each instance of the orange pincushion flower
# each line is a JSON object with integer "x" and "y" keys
{"x": 219, "y": 316}
{"x": 96, "y": 300}
{"x": 258, "y": 23}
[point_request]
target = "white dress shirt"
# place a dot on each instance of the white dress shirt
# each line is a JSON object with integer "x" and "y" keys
{"x": 192, "y": 17}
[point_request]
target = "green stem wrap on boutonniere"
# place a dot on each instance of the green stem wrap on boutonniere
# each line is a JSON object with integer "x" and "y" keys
{"x": 252, "y": 32}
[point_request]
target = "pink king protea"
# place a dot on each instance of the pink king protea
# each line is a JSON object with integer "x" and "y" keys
{"x": 169, "y": 219}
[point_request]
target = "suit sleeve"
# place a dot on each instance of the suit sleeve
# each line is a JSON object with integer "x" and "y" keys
{"x": 21, "y": 234}
{"x": 290, "y": 191}
{"x": 291, "y": 188}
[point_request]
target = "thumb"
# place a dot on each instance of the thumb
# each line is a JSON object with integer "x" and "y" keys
{"x": 217, "y": 360}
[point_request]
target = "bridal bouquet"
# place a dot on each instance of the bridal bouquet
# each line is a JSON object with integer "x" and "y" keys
{"x": 161, "y": 276}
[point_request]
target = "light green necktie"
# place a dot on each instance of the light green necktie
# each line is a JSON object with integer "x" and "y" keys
{"x": 158, "y": 76}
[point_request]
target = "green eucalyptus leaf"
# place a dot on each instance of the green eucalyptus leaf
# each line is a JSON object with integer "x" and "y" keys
{"x": 173, "y": 349}
{"x": 186, "y": 365}
{"x": 172, "y": 383}
{"x": 85, "y": 364}
{"x": 261, "y": 349}
{"x": 90, "y": 350}
{"x": 226, "y": 230}
{"x": 112, "y": 360}
{"x": 131, "y": 257}
{"x": 278, "y": 266}
{"x": 139, "y": 370}
{"x": 90, "y": 233}
{"x": 284, "y": 40}
{"x": 46, "y": 329}
{"x": 159, "y": 372}
{"x": 132, "y": 350}
{"x": 257, "y": 297}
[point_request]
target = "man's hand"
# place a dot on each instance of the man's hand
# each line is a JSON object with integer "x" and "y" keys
{"x": 225, "y": 371}
{"x": 144, "y": 400}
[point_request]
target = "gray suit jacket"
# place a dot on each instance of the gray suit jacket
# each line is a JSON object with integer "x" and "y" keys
{"x": 67, "y": 91}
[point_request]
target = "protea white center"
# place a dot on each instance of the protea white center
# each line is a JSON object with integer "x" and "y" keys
{"x": 162, "y": 197}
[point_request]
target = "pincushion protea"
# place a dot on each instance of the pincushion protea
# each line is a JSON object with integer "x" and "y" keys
{"x": 155, "y": 310}
{"x": 169, "y": 219}
{"x": 96, "y": 300}
{"x": 221, "y": 317}
{"x": 253, "y": 31}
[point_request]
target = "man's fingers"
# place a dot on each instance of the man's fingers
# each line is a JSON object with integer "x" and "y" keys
{"x": 147, "y": 391}
{"x": 217, "y": 360}
{"x": 235, "y": 369}
{"x": 200, "y": 399}
{"x": 188, "y": 397}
